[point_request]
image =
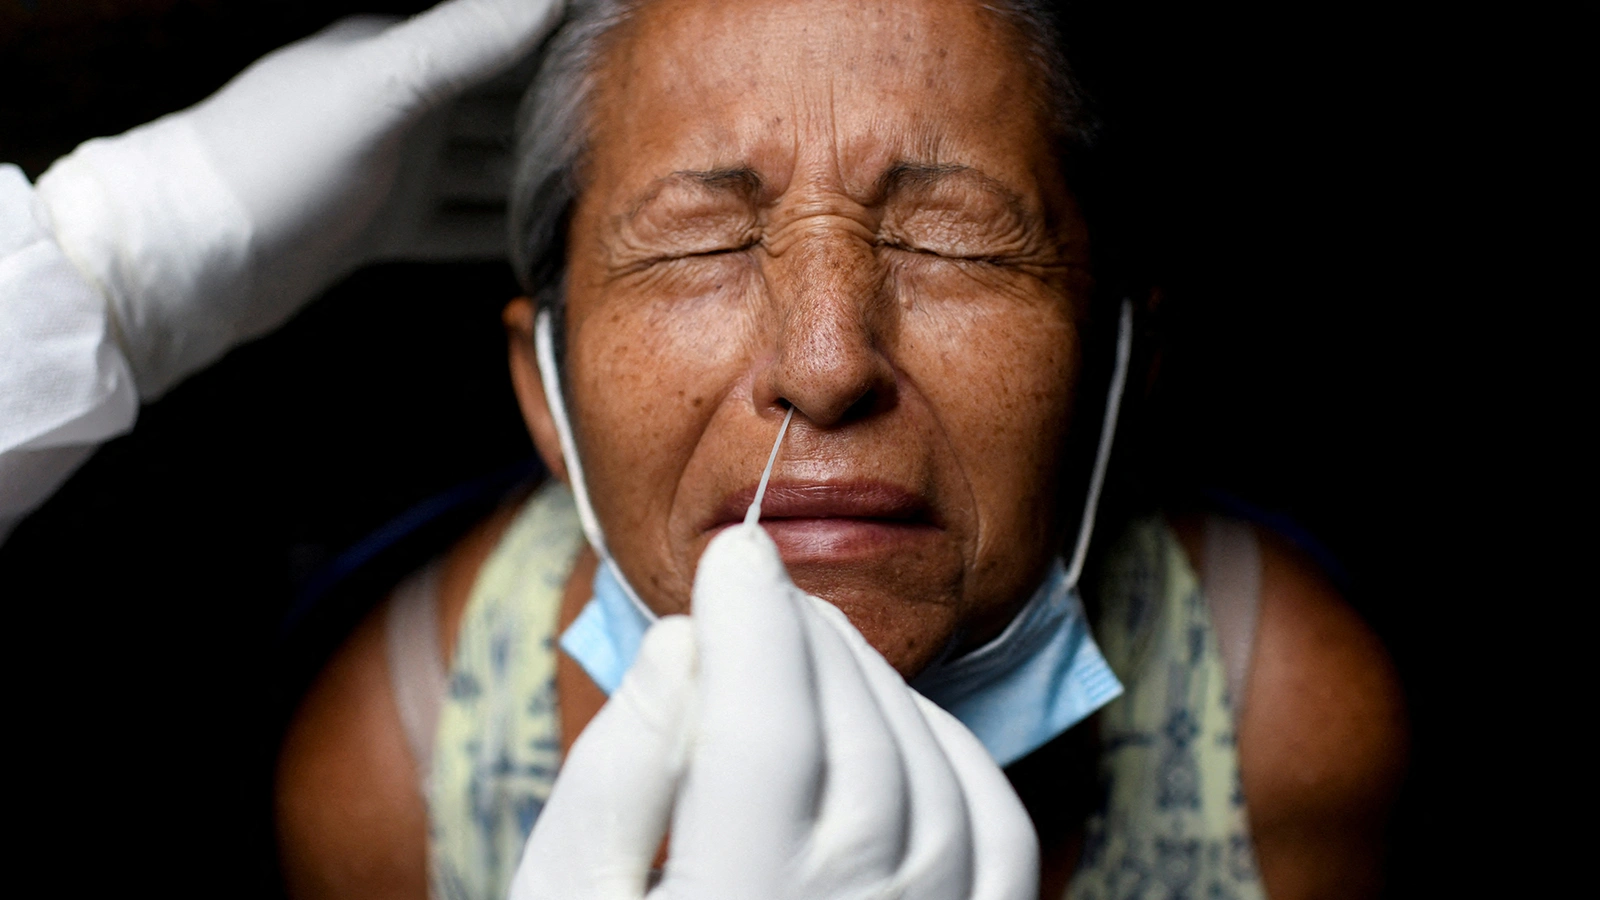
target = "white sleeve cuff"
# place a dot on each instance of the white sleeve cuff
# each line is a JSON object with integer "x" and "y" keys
{"x": 146, "y": 219}
{"x": 65, "y": 384}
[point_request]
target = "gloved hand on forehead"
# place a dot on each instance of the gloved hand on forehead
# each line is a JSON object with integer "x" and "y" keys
{"x": 789, "y": 758}
{"x": 215, "y": 224}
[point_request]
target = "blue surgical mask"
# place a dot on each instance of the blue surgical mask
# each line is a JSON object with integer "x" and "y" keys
{"x": 605, "y": 636}
{"x": 1040, "y": 676}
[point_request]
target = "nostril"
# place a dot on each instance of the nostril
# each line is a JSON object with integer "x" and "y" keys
{"x": 879, "y": 399}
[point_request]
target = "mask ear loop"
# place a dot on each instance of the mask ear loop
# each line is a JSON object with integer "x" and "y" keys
{"x": 1108, "y": 432}
{"x": 545, "y": 353}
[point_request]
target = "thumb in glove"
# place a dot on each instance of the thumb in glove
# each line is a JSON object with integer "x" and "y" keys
{"x": 598, "y": 834}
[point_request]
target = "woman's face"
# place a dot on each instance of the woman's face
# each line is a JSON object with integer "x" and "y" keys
{"x": 854, "y": 209}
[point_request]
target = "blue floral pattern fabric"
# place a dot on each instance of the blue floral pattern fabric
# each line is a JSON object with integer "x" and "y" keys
{"x": 498, "y": 745}
{"x": 1172, "y": 823}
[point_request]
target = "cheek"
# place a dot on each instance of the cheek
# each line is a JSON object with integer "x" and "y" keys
{"x": 650, "y": 362}
{"x": 997, "y": 358}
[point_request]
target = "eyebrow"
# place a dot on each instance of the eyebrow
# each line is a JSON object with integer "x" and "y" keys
{"x": 741, "y": 180}
{"x": 905, "y": 175}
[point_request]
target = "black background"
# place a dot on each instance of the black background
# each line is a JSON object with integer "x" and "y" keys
{"x": 1340, "y": 351}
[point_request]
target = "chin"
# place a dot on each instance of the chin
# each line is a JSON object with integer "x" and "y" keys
{"x": 910, "y": 634}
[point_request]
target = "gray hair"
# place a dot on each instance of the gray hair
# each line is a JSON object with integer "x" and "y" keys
{"x": 553, "y": 128}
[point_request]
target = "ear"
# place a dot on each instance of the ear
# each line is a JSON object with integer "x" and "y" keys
{"x": 526, "y": 381}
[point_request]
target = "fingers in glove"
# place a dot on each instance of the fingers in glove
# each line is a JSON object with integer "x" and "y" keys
{"x": 1005, "y": 847}
{"x": 352, "y": 30}
{"x": 458, "y": 43}
{"x": 862, "y": 829}
{"x": 753, "y": 785}
{"x": 598, "y": 834}
{"x": 938, "y": 857}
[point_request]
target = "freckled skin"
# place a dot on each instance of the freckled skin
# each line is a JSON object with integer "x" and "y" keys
{"x": 850, "y": 208}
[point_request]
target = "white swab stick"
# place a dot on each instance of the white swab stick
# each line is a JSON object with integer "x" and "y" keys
{"x": 753, "y": 514}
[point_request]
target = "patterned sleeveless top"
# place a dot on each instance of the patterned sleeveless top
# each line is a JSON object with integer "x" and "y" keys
{"x": 1172, "y": 824}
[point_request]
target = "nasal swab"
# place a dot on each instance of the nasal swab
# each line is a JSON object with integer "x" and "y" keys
{"x": 753, "y": 514}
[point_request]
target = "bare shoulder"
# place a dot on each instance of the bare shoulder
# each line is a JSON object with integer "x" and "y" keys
{"x": 1323, "y": 741}
{"x": 350, "y": 815}
{"x": 351, "y": 818}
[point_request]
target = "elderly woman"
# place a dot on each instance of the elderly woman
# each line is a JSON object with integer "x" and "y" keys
{"x": 864, "y": 216}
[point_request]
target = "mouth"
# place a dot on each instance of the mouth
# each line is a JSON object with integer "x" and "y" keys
{"x": 834, "y": 521}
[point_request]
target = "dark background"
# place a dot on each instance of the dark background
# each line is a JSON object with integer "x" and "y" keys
{"x": 1340, "y": 356}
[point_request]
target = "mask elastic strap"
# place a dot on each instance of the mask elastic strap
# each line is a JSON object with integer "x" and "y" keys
{"x": 549, "y": 374}
{"x": 1108, "y": 431}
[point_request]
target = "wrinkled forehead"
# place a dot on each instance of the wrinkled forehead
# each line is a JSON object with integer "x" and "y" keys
{"x": 829, "y": 91}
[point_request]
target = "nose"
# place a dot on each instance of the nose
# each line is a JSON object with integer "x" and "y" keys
{"x": 834, "y": 318}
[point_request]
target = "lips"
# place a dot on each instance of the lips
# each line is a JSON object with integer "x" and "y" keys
{"x": 834, "y": 521}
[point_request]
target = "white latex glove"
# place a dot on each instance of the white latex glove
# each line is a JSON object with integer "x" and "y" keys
{"x": 213, "y": 225}
{"x": 791, "y": 759}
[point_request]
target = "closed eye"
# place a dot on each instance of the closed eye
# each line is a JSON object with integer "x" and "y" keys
{"x": 697, "y": 253}
{"x": 722, "y": 251}
{"x": 983, "y": 258}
